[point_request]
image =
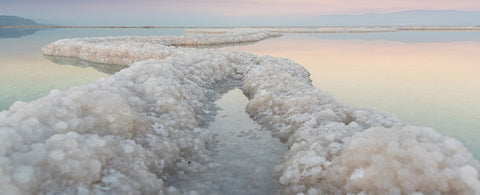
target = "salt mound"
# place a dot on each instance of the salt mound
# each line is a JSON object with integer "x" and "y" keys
{"x": 128, "y": 132}
{"x": 404, "y": 161}
{"x": 127, "y": 50}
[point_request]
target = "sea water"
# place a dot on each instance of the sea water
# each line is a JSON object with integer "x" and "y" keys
{"x": 26, "y": 75}
{"x": 425, "y": 78}
{"x": 317, "y": 47}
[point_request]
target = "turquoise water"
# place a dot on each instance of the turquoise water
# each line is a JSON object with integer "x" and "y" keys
{"x": 426, "y": 78}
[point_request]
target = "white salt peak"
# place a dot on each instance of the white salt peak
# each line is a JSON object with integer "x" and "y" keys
{"x": 357, "y": 174}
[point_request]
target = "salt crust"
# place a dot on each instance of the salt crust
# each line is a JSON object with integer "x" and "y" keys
{"x": 128, "y": 132}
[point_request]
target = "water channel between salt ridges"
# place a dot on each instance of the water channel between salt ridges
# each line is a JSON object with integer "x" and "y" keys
{"x": 332, "y": 148}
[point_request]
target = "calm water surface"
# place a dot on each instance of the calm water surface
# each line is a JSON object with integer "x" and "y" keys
{"x": 427, "y": 83}
{"x": 26, "y": 75}
{"x": 426, "y": 78}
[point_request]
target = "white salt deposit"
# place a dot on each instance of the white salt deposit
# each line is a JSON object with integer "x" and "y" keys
{"x": 128, "y": 132}
{"x": 245, "y": 154}
{"x": 127, "y": 50}
{"x": 373, "y": 29}
{"x": 345, "y": 29}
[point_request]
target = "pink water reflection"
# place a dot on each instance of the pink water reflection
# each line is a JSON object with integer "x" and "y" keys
{"x": 426, "y": 84}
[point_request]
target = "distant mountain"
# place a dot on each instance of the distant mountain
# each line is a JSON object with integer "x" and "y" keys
{"x": 410, "y": 18}
{"x": 16, "y": 21}
{"x": 16, "y": 32}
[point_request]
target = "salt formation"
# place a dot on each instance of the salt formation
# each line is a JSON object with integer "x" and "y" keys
{"x": 245, "y": 154}
{"x": 127, "y": 50}
{"x": 101, "y": 67}
{"x": 351, "y": 29}
{"x": 313, "y": 30}
{"x": 126, "y": 133}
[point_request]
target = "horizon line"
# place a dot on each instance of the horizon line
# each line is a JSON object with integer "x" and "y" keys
{"x": 398, "y": 27}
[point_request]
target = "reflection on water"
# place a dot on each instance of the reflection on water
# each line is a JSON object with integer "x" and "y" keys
{"x": 113, "y": 68}
{"x": 406, "y": 36}
{"x": 216, "y": 46}
{"x": 426, "y": 84}
{"x": 426, "y": 78}
{"x": 16, "y": 32}
{"x": 27, "y": 78}
{"x": 26, "y": 75}
{"x": 29, "y": 45}
{"x": 101, "y": 67}
{"x": 245, "y": 155}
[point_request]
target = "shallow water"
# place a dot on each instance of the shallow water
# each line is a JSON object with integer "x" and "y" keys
{"x": 426, "y": 78}
{"x": 26, "y": 75}
{"x": 434, "y": 84}
{"x": 245, "y": 156}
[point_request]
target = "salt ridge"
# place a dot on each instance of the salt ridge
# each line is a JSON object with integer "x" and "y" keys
{"x": 126, "y": 133}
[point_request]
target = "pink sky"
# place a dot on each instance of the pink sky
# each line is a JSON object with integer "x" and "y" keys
{"x": 256, "y": 7}
{"x": 192, "y": 11}
{"x": 311, "y": 7}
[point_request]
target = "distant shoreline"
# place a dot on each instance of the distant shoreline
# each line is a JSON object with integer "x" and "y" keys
{"x": 393, "y": 28}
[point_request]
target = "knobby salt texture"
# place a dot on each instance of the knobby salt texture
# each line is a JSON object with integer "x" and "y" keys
{"x": 124, "y": 134}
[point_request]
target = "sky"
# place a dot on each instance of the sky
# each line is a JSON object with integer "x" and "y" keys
{"x": 208, "y": 12}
